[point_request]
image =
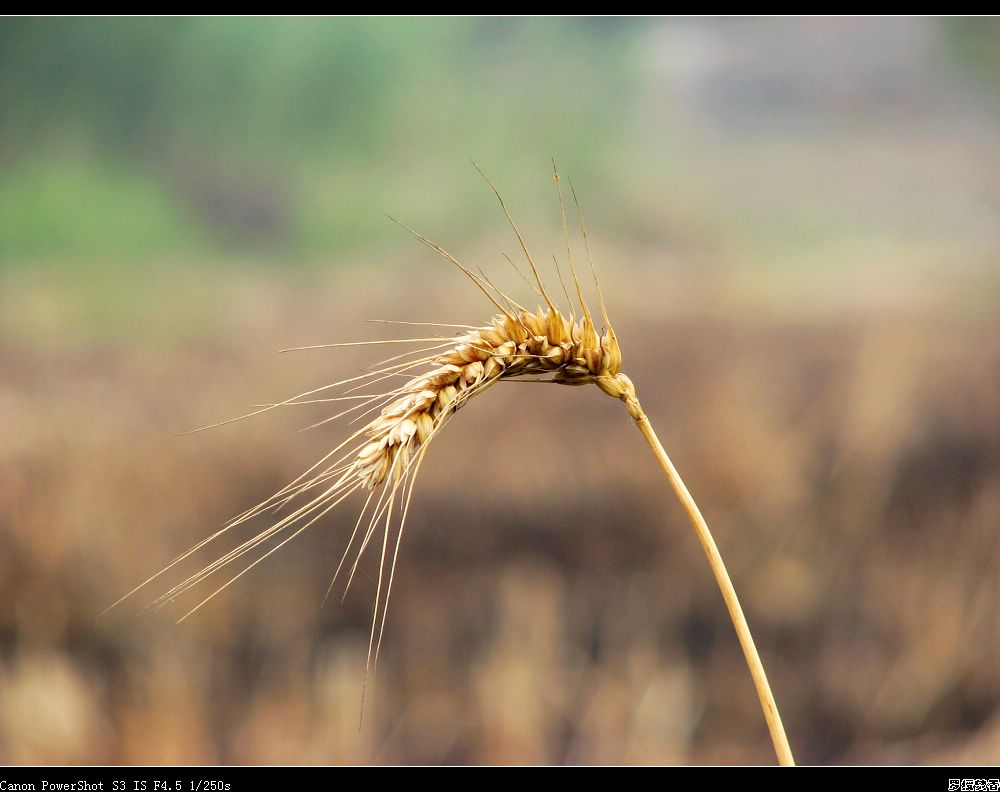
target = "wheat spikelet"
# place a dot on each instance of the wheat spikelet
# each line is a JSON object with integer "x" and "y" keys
{"x": 517, "y": 344}
{"x": 384, "y": 456}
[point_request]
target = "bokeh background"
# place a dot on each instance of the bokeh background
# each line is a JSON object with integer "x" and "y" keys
{"x": 797, "y": 223}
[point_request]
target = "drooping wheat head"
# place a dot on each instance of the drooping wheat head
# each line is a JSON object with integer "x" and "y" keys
{"x": 384, "y": 456}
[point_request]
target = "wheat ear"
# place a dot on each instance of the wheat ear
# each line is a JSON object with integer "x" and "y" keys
{"x": 384, "y": 456}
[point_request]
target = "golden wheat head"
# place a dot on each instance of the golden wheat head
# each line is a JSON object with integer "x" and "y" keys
{"x": 383, "y": 458}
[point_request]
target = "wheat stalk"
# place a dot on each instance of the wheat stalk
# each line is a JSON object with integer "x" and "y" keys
{"x": 384, "y": 457}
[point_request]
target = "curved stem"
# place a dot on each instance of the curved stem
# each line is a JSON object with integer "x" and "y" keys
{"x": 767, "y": 703}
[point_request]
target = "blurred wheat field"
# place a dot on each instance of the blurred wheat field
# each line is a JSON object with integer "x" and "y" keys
{"x": 849, "y": 468}
{"x": 797, "y": 225}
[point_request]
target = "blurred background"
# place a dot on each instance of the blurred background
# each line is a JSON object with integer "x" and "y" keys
{"x": 797, "y": 224}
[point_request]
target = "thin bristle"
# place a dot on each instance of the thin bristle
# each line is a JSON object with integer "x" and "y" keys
{"x": 361, "y": 343}
{"x": 520, "y": 239}
{"x": 445, "y": 254}
{"x": 590, "y": 258}
{"x": 569, "y": 252}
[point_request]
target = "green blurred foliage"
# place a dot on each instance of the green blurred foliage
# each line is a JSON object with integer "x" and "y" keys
{"x": 976, "y": 43}
{"x": 86, "y": 208}
{"x": 133, "y": 135}
{"x": 761, "y": 153}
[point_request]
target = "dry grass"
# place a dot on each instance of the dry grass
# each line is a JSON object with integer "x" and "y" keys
{"x": 541, "y": 612}
{"x": 840, "y": 416}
